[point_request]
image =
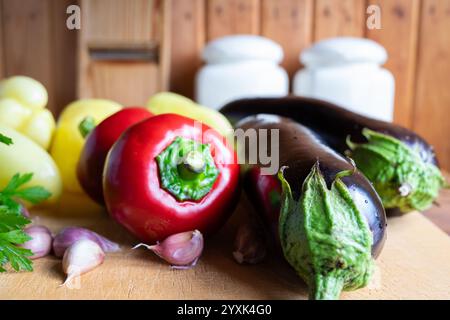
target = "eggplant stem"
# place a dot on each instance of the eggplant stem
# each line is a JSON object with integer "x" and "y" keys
{"x": 326, "y": 287}
{"x": 405, "y": 189}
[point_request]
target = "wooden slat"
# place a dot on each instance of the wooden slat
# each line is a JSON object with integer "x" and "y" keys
{"x": 2, "y": 62}
{"x": 399, "y": 35}
{"x": 288, "y": 22}
{"x": 128, "y": 83}
{"x": 164, "y": 39}
{"x": 119, "y": 24}
{"x": 226, "y": 17}
{"x": 120, "y": 21}
{"x": 27, "y": 41}
{"x": 339, "y": 18}
{"x": 432, "y": 103}
{"x": 64, "y": 56}
{"x": 187, "y": 41}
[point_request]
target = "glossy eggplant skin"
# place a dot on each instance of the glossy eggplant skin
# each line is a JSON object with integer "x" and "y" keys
{"x": 331, "y": 123}
{"x": 299, "y": 150}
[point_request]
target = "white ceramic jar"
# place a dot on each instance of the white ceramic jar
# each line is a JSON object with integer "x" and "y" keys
{"x": 347, "y": 71}
{"x": 240, "y": 66}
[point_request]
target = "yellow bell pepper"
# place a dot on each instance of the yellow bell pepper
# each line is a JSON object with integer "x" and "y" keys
{"x": 68, "y": 141}
{"x": 22, "y": 107}
{"x": 168, "y": 102}
{"x": 25, "y": 156}
{"x": 25, "y": 90}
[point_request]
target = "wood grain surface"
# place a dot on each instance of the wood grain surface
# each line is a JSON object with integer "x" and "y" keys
{"x": 34, "y": 41}
{"x": 283, "y": 19}
{"x": 439, "y": 213}
{"x": 415, "y": 264}
{"x": 432, "y": 110}
{"x": 399, "y": 35}
{"x": 126, "y": 25}
{"x": 225, "y": 17}
{"x": 187, "y": 41}
{"x": 339, "y": 18}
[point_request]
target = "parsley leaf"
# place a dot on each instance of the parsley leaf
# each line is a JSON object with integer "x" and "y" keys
{"x": 11, "y": 234}
{"x": 6, "y": 140}
{"x": 12, "y": 222}
{"x": 30, "y": 194}
{"x": 16, "y": 256}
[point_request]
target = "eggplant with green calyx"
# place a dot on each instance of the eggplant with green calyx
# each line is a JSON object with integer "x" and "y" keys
{"x": 331, "y": 222}
{"x": 401, "y": 165}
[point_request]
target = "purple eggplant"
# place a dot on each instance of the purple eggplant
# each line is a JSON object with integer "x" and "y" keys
{"x": 328, "y": 219}
{"x": 402, "y": 166}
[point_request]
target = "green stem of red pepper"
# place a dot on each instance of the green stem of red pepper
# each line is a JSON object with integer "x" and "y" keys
{"x": 192, "y": 166}
{"x": 187, "y": 169}
{"x": 86, "y": 126}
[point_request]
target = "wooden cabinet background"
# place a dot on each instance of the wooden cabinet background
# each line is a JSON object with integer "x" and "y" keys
{"x": 35, "y": 41}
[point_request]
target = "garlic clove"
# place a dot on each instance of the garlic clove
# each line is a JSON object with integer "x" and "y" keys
{"x": 81, "y": 257}
{"x": 40, "y": 243}
{"x": 249, "y": 244}
{"x": 181, "y": 250}
{"x": 66, "y": 237}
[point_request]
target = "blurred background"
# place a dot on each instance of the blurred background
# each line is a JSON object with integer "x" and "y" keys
{"x": 162, "y": 41}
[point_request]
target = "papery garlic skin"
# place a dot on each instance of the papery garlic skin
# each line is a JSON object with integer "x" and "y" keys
{"x": 66, "y": 237}
{"x": 81, "y": 257}
{"x": 249, "y": 245}
{"x": 41, "y": 242}
{"x": 181, "y": 250}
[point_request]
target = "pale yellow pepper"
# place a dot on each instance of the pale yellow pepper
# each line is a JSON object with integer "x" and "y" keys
{"x": 169, "y": 102}
{"x": 27, "y": 91}
{"x": 25, "y": 156}
{"x": 68, "y": 141}
{"x": 22, "y": 107}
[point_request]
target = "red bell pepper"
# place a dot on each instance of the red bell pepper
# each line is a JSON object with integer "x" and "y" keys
{"x": 170, "y": 174}
{"x": 98, "y": 143}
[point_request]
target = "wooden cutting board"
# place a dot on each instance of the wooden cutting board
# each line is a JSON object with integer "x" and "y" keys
{"x": 415, "y": 264}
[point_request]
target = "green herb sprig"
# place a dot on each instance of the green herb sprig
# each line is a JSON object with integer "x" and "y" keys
{"x": 12, "y": 222}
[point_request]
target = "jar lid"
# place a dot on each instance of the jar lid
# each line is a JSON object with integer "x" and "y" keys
{"x": 343, "y": 50}
{"x": 242, "y": 47}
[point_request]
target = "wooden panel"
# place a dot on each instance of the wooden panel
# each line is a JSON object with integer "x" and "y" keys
{"x": 124, "y": 82}
{"x": 164, "y": 27}
{"x": 339, "y": 18}
{"x": 2, "y": 62}
{"x": 232, "y": 16}
{"x": 64, "y": 56}
{"x": 399, "y": 35}
{"x": 27, "y": 41}
{"x": 432, "y": 104}
{"x": 288, "y": 22}
{"x": 37, "y": 43}
{"x": 127, "y": 25}
{"x": 187, "y": 41}
{"x": 119, "y": 21}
